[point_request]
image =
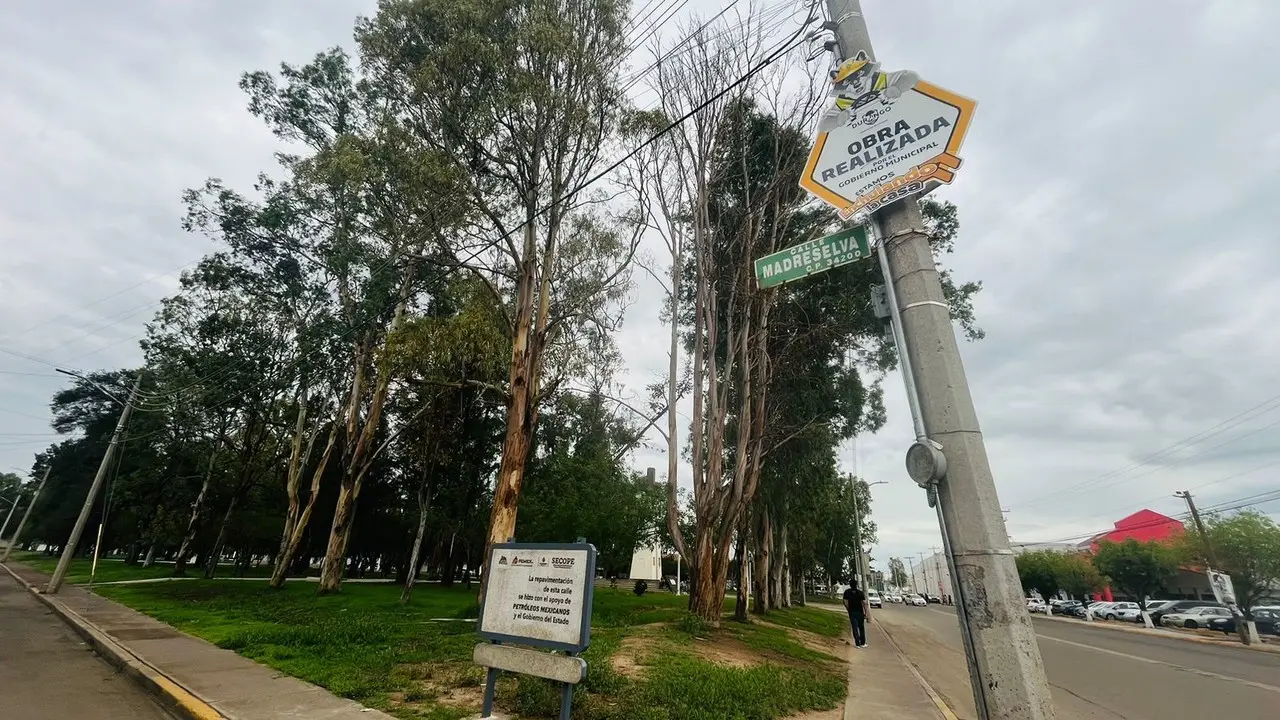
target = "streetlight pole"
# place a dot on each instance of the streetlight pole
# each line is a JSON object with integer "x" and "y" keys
{"x": 861, "y": 570}
{"x": 68, "y": 552}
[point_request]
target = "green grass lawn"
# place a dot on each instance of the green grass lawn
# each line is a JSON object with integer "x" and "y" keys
{"x": 414, "y": 661}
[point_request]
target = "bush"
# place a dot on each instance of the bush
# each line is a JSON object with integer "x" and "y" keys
{"x": 640, "y": 588}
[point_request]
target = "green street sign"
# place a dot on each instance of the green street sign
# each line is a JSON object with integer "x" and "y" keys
{"x": 814, "y": 256}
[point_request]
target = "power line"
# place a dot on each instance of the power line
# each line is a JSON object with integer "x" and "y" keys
{"x": 1224, "y": 506}
{"x": 1240, "y": 418}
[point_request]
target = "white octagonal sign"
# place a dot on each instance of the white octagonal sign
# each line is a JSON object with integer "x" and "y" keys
{"x": 884, "y": 137}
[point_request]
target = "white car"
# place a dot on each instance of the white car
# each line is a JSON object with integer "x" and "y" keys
{"x": 1036, "y": 605}
{"x": 1197, "y": 617}
{"x": 916, "y": 600}
{"x": 1134, "y": 614}
{"x": 1113, "y": 612}
{"x": 894, "y": 598}
{"x": 1097, "y": 609}
{"x": 874, "y": 600}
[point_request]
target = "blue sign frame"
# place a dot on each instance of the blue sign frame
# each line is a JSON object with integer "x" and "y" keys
{"x": 584, "y": 634}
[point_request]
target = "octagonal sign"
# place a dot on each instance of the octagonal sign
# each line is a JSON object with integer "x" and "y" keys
{"x": 885, "y": 136}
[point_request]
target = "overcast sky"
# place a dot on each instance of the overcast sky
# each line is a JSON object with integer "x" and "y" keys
{"x": 1113, "y": 201}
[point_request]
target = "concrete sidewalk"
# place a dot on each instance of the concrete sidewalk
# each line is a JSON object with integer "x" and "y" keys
{"x": 882, "y": 683}
{"x": 195, "y": 679}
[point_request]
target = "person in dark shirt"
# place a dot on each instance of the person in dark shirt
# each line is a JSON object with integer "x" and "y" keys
{"x": 855, "y": 602}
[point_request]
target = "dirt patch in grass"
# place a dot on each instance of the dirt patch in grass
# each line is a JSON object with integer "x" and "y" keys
{"x": 632, "y": 654}
{"x": 725, "y": 651}
{"x": 450, "y": 685}
{"x": 835, "y": 647}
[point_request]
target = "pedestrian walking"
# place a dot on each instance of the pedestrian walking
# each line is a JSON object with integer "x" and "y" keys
{"x": 855, "y": 602}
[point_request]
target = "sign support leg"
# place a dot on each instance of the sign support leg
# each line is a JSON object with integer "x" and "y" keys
{"x": 566, "y": 700}
{"x": 490, "y": 684}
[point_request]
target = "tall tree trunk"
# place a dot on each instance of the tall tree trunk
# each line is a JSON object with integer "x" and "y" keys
{"x": 764, "y": 559}
{"x": 783, "y": 597}
{"x": 424, "y": 504}
{"x": 215, "y": 553}
{"x": 299, "y": 518}
{"x": 740, "y": 607}
{"x": 528, "y": 341}
{"x": 359, "y": 451}
{"x": 193, "y": 524}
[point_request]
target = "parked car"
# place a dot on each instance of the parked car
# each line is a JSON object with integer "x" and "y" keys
{"x": 1070, "y": 608}
{"x": 933, "y": 599}
{"x": 1097, "y": 609}
{"x": 1035, "y": 605}
{"x": 1113, "y": 612}
{"x": 873, "y": 599}
{"x": 1178, "y": 606}
{"x": 917, "y": 601}
{"x": 1267, "y": 620}
{"x": 894, "y": 597}
{"x": 1194, "y": 617}
{"x": 1134, "y": 614}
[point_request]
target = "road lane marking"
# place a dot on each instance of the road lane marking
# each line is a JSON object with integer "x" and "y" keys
{"x": 1194, "y": 671}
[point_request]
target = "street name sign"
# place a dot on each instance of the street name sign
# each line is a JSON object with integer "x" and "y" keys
{"x": 884, "y": 137}
{"x": 539, "y": 594}
{"x": 813, "y": 256}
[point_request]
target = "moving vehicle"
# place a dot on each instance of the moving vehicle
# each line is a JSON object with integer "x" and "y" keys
{"x": 1178, "y": 606}
{"x": 1194, "y": 617}
{"x": 874, "y": 600}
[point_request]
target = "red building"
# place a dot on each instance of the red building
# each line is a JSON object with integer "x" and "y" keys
{"x": 1143, "y": 526}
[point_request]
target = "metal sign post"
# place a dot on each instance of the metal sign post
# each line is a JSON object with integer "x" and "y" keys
{"x": 539, "y": 595}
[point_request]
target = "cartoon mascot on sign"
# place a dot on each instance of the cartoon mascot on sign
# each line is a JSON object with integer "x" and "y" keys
{"x": 858, "y": 82}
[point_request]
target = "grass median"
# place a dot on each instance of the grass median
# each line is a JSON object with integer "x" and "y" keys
{"x": 649, "y": 659}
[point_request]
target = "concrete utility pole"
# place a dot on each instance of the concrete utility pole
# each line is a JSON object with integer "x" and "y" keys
{"x": 13, "y": 505}
{"x": 1006, "y": 670}
{"x": 1242, "y": 629}
{"x": 17, "y": 534}
{"x": 68, "y": 552}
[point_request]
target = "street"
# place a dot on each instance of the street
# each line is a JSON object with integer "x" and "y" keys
{"x": 47, "y": 673}
{"x": 1101, "y": 673}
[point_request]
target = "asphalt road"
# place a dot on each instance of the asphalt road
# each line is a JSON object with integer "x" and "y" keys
{"x": 1102, "y": 674}
{"x": 48, "y": 673}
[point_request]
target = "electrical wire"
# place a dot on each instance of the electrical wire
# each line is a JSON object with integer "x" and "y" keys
{"x": 1224, "y": 506}
{"x": 1118, "y": 475}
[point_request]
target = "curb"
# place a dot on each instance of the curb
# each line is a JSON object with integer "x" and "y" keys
{"x": 172, "y": 695}
{"x": 944, "y": 710}
{"x": 1271, "y": 648}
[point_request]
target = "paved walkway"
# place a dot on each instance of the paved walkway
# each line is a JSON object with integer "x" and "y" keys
{"x": 48, "y": 673}
{"x": 195, "y": 678}
{"x": 882, "y": 683}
